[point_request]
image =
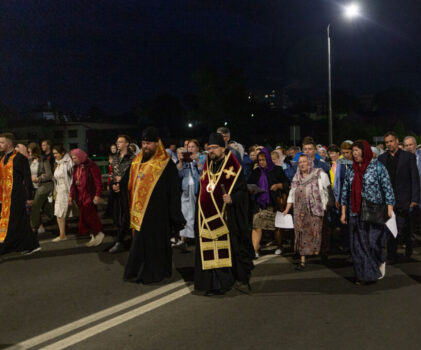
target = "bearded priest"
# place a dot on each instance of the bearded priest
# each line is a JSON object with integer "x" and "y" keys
{"x": 224, "y": 252}
{"x": 155, "y": 211}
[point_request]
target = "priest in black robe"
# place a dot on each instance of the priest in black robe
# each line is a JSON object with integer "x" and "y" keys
{"x": 224, "y": 252}
{"x": 16, "y": 195}
{"x": 155, "y": 211}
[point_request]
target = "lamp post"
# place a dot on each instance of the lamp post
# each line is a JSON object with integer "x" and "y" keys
{"x": 351, "y": 11}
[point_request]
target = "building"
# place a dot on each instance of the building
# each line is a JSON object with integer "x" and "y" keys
{"x": 95, "y": 138}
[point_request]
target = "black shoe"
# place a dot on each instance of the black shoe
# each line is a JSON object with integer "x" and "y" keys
{"x": 116, "y": 248}
{"x": 213, "y": 292}
{"x": 364, "y": 283}
{"x": 243, "y": 287}
{"x": 408, "y": 251}
{"x": 301, "y": 267}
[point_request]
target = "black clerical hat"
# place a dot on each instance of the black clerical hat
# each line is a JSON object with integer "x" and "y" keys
{"x": 216, "y": 139}
{"x": 150, "y": 134}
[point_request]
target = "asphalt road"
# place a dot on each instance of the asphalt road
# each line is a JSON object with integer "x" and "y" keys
{"x": 71, "y": 296}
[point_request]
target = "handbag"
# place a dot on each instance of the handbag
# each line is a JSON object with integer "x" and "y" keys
{"x": 372, "y": 212}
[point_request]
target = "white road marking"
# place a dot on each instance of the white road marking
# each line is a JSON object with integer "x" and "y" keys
{"x": 95, "y": 317}
{"x": 90, "y": 332}
{"x": 113, "y": 322}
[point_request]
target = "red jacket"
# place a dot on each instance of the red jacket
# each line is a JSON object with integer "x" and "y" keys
{"x": 87, "y": 182}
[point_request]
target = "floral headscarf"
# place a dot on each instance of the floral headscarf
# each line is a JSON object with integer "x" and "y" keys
{"x": 311, "y": 184}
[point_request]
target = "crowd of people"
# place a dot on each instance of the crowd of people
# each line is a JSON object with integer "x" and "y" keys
{"x": 221, "y": 198}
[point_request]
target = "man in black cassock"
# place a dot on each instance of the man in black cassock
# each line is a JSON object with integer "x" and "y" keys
{"x": 16, "y": 195}
{"x": 224, "y": 252}
{"x": 155, "y": 211}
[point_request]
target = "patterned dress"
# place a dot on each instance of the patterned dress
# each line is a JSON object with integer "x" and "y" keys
{"x": 308, "y": 227}
{"x": 366, "y": 239}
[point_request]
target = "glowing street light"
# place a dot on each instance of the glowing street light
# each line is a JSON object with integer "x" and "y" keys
{"x": 190, "y": 125}
{"x": 350, "y": 11}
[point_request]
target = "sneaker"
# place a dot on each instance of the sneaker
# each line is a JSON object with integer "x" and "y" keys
{"x": 173, "y": 240}
{"x": 41, "y": 229}
{"x": 181, "y": 245}
{"x": 58, "y": 239}
{"x": 91, "y": 242}
{"x": 278, "y": 251}
{"x": 30, "y": 252}
{"x": 382, "y": 269}
{"x": 98, "y": 238}
{"x": 256, "y": 255}
{"x": 116, "y": 248}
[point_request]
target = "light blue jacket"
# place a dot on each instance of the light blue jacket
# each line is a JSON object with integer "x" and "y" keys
{"x": 195, "y": 169}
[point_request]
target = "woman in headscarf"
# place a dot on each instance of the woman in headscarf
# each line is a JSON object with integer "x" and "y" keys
{"x": 309, "y": 197}
{"x": 369, "y": 180}
{"x": 86, "y": 191}
{"x": 271, "y": 180}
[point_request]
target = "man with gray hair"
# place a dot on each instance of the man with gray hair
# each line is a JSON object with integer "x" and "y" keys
{"x": 410, "y": 145}
{"x": 225, "y": 132}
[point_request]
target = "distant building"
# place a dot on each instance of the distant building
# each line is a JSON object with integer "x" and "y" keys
{"x": 47, "y": 112}
{"x": 94, "y": 138}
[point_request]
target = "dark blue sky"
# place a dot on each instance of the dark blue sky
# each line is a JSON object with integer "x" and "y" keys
{"x": 114, "y": 53}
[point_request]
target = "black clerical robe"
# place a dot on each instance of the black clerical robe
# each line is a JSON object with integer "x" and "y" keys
{"x": 150, "y": 258}
{"x": 15, "y": 189}
{"x": 222, "y": 279}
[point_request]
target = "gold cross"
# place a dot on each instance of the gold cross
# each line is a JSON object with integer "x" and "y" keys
{"x": 203, "y": 175}
{"x": 229, "y": 172}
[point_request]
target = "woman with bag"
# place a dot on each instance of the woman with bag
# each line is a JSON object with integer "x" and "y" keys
{"x": 86, "y": 192}
{"x": 62, "y": 181}
{"x": 271, "y": 180}
{"x": 367, "y": 200}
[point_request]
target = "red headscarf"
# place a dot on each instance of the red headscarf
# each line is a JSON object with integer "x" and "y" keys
{"x": 359, "y": 170}
{"x": 82, "y": 156}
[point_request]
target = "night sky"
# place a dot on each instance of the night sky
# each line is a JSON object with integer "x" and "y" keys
{"x": 114, "y": 53}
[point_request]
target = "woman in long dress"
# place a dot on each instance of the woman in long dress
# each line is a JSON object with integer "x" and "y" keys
{"x": 62, "y": 180}
{"x": 309, "y": 196}
{"x": 368, "y": 180}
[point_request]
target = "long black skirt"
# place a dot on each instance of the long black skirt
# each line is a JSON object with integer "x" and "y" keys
{"x": 366, "y": 243}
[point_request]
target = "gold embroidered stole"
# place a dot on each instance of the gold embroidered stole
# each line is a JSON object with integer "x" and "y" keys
{"x": 142, "y": 181}
{"x": 6, "y": 187}
{"x": 214, "y": 237}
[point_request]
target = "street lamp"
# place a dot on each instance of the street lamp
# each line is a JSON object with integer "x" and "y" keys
{"x": 350, "y": 12}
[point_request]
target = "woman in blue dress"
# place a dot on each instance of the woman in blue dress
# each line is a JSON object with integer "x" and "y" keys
{"x": 367, "y": 179}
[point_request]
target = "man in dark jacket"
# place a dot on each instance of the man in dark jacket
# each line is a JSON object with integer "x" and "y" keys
{"x": 403, "y": 172}
{"x": 121, "y": 163}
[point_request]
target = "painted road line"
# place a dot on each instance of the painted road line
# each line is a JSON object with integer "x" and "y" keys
{"x": 90, "y": 332}
{"x": 104, "y": 326}
{"x": 42, "y": 338}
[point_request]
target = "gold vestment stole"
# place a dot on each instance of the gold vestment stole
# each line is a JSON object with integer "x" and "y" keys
{"x": 142, "y": 181}
{"x": 215, "y": 247}
{"x": 6, "y": 187}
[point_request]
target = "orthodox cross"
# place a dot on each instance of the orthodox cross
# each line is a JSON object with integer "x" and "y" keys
{"x": 230, "y": 172}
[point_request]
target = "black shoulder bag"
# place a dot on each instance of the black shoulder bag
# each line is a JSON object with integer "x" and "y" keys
{"x": 372, "y": 212}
